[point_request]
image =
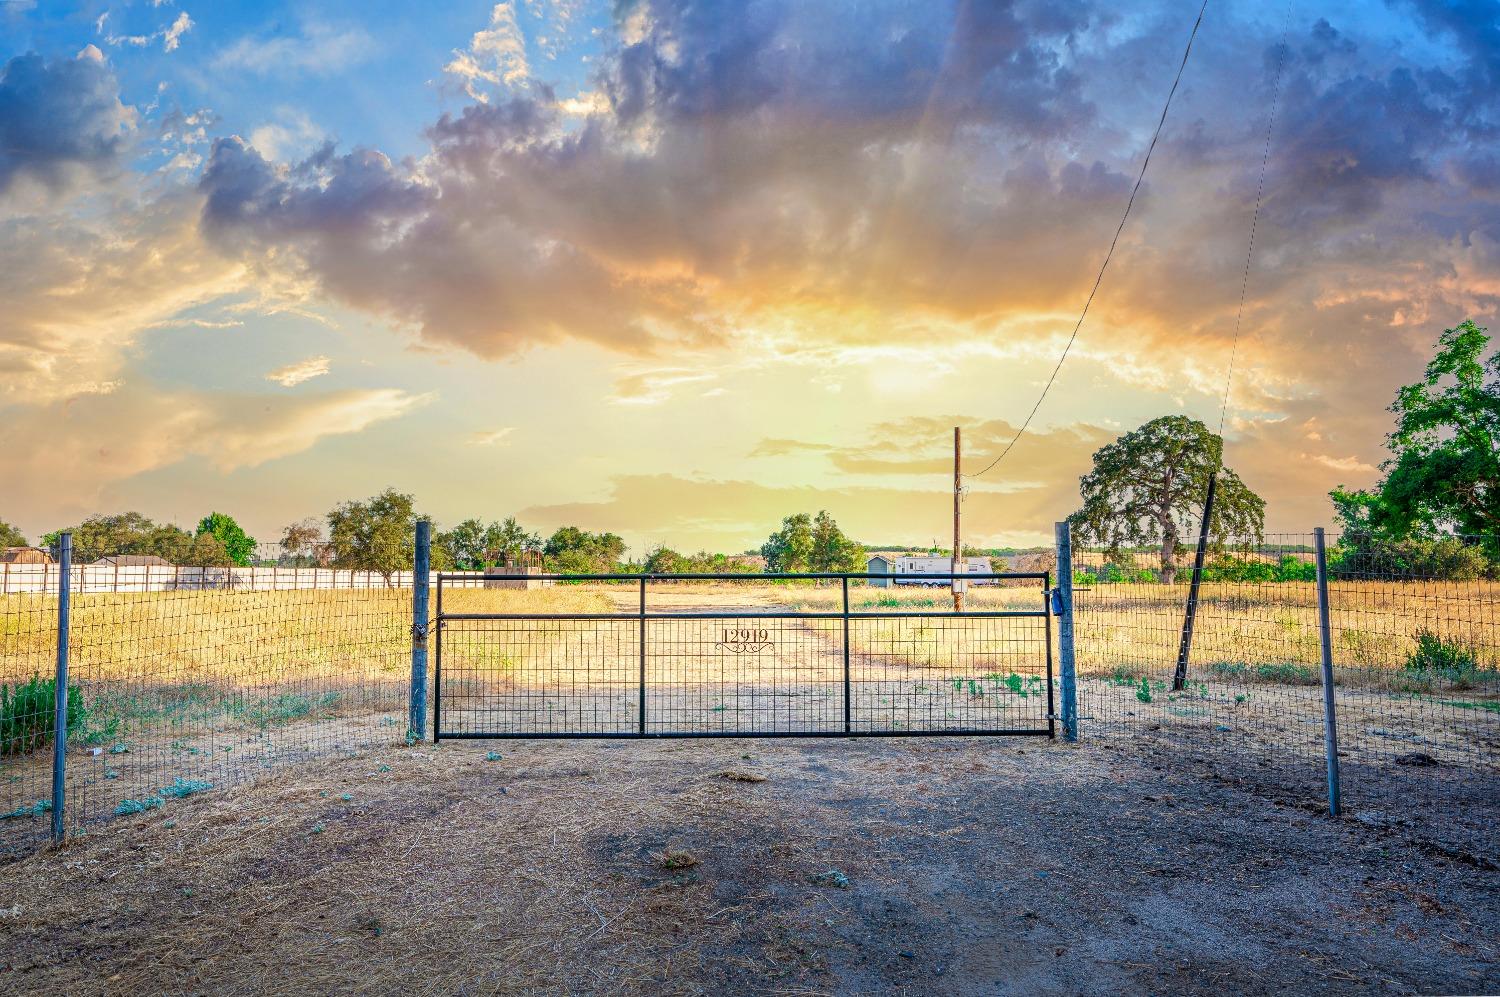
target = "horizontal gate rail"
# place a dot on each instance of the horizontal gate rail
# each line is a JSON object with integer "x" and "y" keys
{"x": 919, "y": 672}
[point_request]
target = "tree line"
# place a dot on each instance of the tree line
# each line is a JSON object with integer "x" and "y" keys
{"x": 379, "y": 534}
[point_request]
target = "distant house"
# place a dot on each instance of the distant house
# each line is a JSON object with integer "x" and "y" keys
{"x": 25, "y": 555}
{"x": 906, "y": 569}
{"x": 133, "y": 561}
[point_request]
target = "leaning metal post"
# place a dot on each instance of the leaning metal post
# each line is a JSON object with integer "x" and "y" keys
{"x": 421, "y": 574}
{"x": 1325, "y": 644}
{"x": 1067, "y": 667}
{"x": 60, "y": 697}
{"x": 1185, "y": 649}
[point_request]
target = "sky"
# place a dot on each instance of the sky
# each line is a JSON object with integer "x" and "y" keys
{"x": 677, "y": 270}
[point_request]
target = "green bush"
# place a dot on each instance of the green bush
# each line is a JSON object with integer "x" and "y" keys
{"x": 28, "y": 714}
{"x": 1439, "y": 658}
{"x": 1361, "y": 555}
{"x": 1294, "y": 569}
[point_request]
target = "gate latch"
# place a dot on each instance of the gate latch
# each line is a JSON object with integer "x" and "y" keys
{"x": 419, "y": 634}
{"x": 1056, "y": 598}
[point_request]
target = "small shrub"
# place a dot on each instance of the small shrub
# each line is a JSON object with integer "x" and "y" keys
{"x": 1439, "y": 658}
{"x": 1288, "y": 673}
{"x": 185, "y": 787}
{"x": 28, "y": 714}
{"x": 1143, "y": 693}
{"x": 128, "y": 807}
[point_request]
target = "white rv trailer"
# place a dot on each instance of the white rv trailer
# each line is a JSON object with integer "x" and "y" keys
{"x": 925, "y": 570}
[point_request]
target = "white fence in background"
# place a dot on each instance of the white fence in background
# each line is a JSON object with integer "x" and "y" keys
{"x": 19, "y": 579}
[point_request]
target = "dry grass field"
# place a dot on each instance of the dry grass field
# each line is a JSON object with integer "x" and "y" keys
{"x": 243, "y": 813}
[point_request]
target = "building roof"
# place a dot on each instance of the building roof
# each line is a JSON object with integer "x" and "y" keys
{"x": 25, "y": 555}
{"x": 133, "y": 560}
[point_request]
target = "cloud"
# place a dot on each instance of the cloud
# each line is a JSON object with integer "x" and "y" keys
{"x": 59, "y": 119}
{"x": 170, "y": 34}
{"x": 80, "y": 289}
{"x": 319, "y": 49}
{"x": 654, "y": 386}
{"x": 496, "y": 55}
{"x": 492, "y": 437}
{"x": 294, "y": 374}
{"x": 82, "y": 447}
{"x": 292, "y": 135}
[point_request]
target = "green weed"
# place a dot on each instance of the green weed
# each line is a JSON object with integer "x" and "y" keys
{"x": 28, "y": 714}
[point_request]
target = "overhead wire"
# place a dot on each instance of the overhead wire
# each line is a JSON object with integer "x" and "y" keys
{"x": 1099, "y": 278}
{"x": 1260, "y": 187}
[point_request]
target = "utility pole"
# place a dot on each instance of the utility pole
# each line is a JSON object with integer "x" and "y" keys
{"x": 958, "y": 550}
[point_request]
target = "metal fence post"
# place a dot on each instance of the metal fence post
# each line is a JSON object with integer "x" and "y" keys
{"x": 422, "y": 569}
{"x": 60, "y": 697}
{"x": 1067, "y": 666}
{"x": 1325, "y": 644}
{"x": 1190, "y": 616}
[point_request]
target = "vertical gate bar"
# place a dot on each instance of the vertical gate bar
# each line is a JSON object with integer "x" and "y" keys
{"x": 60, "y": 696}
{"x": 1047, "y": 620}
{"x": 416, "y": 725}
{"x": 437, "y": 672}
{"x": 1325, "y": 646}
{"x": 643, "y": 658}
{"x": 1067, "y": 664}
{"x": 847, "y": 684}
{"x": 1179, "y": 677}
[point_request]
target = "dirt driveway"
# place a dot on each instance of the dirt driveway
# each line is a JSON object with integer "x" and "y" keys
{"x": 902, "y": 866}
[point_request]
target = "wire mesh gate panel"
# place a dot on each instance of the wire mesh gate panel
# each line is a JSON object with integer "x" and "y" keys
{"x": 733, "y": 655}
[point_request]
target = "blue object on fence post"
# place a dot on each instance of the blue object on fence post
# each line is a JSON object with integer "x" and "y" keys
{"x": 1325, "y": 644}
{"x": 421, "y": 570}
{"x": 1067, "y": 667}
{"x": 60, "y": 696}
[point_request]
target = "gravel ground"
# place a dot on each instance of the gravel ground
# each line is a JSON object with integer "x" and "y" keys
{"x": 908, "y": 865}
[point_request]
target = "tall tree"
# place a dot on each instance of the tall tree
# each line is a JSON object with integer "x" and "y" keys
{"x": 574, "y": 551}
{"x": 466, "y": 545}
{"x": 378, "y": 534}
{"x": 1148, "y": 487}
{"x": 662, "y": 560}
{"x": 10, "y": 536}
{"x": 509, "y": 541}
{"x": 790, "y": 549}
{"x": 831, "y": 550}
{"x": 1443, "y": 475}
{"x": 302, "y": 543}
{"x": 238, "y": 545}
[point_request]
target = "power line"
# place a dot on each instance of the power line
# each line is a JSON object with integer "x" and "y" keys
{"x": 1110, "y": 254}
{"x": 1260, "y": 187}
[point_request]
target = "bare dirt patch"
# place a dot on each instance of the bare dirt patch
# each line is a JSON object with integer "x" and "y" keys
{"x": 911, "y": 865}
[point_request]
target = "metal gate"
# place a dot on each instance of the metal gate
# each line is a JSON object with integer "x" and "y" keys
{"x": 734, "y": 655}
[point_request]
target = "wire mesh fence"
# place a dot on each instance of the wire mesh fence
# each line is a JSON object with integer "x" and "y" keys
{"x": 1414, "y": 655}
{"x": 181, "y": 688}
{"x": 177, "y": 691}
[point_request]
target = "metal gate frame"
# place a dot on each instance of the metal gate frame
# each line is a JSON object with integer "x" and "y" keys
{"x": 642, "y": 617}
